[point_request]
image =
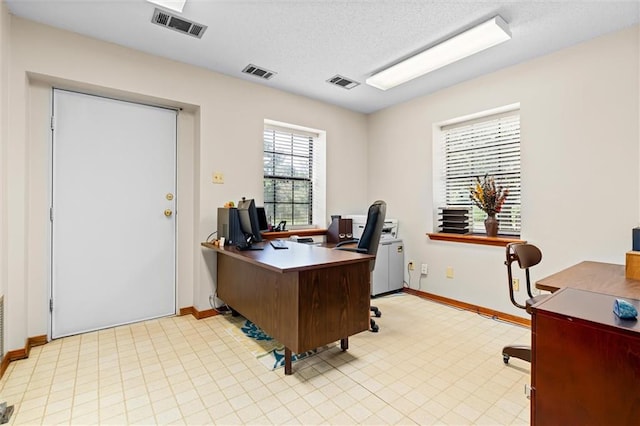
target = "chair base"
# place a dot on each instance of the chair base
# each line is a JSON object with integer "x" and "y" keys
{"x": 520, "y": 352}
{"x": 372, "y": 324}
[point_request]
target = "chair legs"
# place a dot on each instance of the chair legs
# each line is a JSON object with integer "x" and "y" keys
{"x": 372, "y": 323}
{"x": 520, "y": 352}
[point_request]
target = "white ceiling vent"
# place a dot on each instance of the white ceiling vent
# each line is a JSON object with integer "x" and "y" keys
{"x": 341, "y": 81}
{"x": 258, "y": 72}
{"x": 166, "y": 19}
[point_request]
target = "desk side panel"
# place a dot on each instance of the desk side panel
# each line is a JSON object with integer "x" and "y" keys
{"x": 267, "y": 298}
{"x": 334, "y": 304}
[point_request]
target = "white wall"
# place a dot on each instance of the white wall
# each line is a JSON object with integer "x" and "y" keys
{"x": 579, "y": 142}
{"x": 220, "y": 129}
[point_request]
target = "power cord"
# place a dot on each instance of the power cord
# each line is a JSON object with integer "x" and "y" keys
{"x": 218, "y": 309}
{"x": 211, "y": 235}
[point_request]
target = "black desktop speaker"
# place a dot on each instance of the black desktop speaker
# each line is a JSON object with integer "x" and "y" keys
{"x": 636, "y": 239}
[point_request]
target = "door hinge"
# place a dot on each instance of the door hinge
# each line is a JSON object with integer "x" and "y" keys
{"x": 52, "y": 122}
{"x": 51, "y": 214}
{"x": 50, "y": 305}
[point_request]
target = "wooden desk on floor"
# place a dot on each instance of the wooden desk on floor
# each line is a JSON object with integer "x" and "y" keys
{"x": 304, "y": 296}
{"x": 607, "y": 278}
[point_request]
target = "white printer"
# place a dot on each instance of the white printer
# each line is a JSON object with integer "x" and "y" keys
{"x": 389, "y": 229}
{"x": 388, "y": 275}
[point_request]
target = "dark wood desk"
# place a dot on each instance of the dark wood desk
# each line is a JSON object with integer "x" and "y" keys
{"x": 304, "y": 296}
{"x": 585, "y": 366}
{"x": 607, "y": 278}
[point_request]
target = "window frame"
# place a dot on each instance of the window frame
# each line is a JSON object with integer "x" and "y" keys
{"x": 440, "y": 169}
{"x": 315, "y": 179}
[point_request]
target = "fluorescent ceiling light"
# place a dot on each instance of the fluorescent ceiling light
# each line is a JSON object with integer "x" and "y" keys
{"x": 176, "y": 5}
{"x": 481, "y": 37}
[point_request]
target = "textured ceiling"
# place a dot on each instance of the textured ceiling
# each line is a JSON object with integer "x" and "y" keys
{"x": 307, "y": 42}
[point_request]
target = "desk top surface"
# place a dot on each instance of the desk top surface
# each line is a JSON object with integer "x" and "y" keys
{"x": 607, "y": 278}
{"x": 297, "y": 257}
{"x": 588, "y": 306}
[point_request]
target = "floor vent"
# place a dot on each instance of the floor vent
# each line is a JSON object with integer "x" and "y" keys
{"x": 165, "y": 19}
{"x": 341, "y": 81}
{"x": 258, "y": 72}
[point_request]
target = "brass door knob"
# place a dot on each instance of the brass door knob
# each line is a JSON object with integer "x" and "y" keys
{"x": 168, "y": 212}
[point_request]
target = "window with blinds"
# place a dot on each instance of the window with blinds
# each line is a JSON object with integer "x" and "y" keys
{"x": 288, "y": 176}
{"x": 484, "y": 146}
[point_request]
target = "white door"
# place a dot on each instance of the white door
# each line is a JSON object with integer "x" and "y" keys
{"x": 113, "y": 246}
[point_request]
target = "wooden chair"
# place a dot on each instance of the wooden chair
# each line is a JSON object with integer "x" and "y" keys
{"x": 527, "y": 255}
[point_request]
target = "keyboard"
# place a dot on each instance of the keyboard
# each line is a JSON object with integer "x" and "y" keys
{"x": 278, "y": 244}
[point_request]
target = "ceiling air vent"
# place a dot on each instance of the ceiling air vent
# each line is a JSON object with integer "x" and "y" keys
{"x": 258, "y": 72}
{"x": 341, "y": 81}
{"x": 166, "y": 19}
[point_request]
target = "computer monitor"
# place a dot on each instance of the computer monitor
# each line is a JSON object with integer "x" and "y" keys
{"x": 249, "y": 220}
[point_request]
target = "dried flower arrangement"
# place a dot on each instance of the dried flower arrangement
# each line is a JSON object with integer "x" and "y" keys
{"x": 487, "y": 196}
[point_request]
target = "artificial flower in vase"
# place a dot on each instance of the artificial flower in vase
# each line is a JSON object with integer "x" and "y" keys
{"x": 489, "y": 199}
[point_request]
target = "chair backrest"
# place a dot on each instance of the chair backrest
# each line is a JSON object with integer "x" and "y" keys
{"x": 370, "y": 238}
{"x": 528, "y": 255}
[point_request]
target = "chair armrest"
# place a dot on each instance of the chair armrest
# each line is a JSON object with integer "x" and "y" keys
{"x": 341, "y": 243}
{"x": 353, "y": 249}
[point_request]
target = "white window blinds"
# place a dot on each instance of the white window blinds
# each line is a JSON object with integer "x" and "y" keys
{"x": 484, "y": 146}
{"x": 288, "y": 176}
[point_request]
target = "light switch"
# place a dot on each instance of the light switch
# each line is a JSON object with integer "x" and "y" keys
{"x": 218, "y": 177}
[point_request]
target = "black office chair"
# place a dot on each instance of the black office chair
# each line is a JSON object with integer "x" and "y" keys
{"x": 368, "y": 243}
{"x": 527, "y": 256}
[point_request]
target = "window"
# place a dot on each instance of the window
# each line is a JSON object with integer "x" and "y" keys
{"x": 292, "y": 176}
{"x": 486, "y": 145}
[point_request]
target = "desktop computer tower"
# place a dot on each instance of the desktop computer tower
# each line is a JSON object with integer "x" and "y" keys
{"x": 229, "y": 226}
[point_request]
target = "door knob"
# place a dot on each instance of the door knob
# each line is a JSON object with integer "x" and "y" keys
{"x": 168, "y": 212}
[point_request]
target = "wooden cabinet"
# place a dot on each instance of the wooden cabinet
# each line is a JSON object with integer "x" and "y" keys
{"x": 585, "y": 362}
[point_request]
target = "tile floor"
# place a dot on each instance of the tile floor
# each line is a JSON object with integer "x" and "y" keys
{"x": 429, "y": 364}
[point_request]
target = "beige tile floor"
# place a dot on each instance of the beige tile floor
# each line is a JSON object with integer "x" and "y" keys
{"x": 429, "y": 364}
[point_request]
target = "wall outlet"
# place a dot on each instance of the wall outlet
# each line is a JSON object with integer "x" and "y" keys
{"x": 516, "y": 284}
{"x": 411, "y": 265}
{"x": 449, "y": 272}
{"x": 218, "y": 177}
{"x": 424, "y": 269}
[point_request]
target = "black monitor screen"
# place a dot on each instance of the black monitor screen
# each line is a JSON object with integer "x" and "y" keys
{"x": 249, "y": 219}
{"x": 262, "y": 219}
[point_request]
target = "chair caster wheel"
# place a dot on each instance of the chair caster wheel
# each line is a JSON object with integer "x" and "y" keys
{"x": 378, "y": 314}
{"x": 374, "y": 328}
{"x": 505, "y": 358}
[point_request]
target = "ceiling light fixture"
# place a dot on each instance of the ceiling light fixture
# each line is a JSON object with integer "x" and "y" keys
{"x": 175, "y": 5}
{"x": 474, "y": 40}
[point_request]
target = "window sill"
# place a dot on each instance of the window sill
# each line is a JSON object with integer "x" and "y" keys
{"x": 500, "y": 241}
